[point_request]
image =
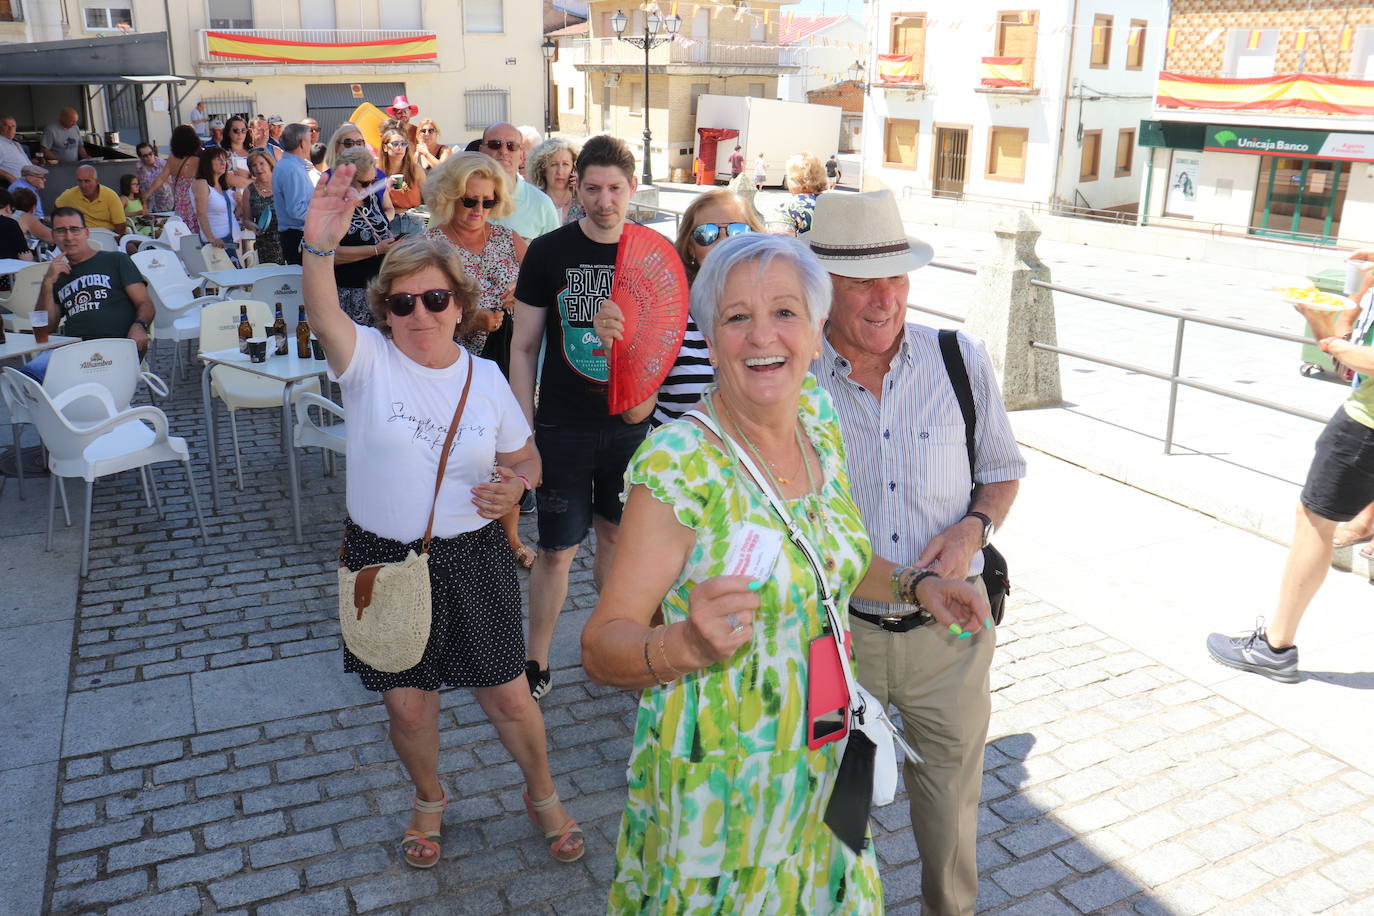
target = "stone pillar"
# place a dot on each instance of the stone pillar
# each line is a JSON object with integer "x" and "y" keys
{"x": 1008, "y": 313}
{"x": 743, "y": 185}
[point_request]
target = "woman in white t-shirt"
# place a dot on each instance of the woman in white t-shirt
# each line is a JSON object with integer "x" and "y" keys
{"x": 401, "y": 382}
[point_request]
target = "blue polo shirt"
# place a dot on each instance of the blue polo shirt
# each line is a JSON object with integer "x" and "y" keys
{"x": 291, "y": 191}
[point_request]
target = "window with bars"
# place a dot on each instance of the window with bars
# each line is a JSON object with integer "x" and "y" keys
{"x": 899, "y": 142}
{"x": 909, "y": 37}
{"x": 1007, "y": 153}
{"x": 485, "y": 107}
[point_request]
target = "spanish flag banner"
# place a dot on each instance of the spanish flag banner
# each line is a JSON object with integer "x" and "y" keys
{"x": 229, "y": 46}
{"x": 1298, "y": 91}
{"x": 1347, "y": 34}
{"x": 1004, "y": 71}
{"x": 1170, "y": 37}
{"x": 896, "y": 68}
{"x": 1133, "y": 36}
{"x": 1299, "y": 39}
{"x": 1253, "y": 42}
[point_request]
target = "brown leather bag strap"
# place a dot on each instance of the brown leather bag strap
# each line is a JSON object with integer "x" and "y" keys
{"x": 443, "y": 456}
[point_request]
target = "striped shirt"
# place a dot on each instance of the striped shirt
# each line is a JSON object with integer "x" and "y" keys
{"x": 692, "y": 372}
{"x": 908, "y": 464}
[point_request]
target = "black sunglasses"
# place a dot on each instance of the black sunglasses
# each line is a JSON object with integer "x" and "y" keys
{"x": 349, "y": 143}
{"x": 472, "y": 202}
{"x": 494, "y": 145}
{"x": 402, "y": 304}
{"x": 709, "y": 233}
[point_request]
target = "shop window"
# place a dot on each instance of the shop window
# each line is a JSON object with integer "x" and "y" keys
{"x": 899, "y": 142}
{"x": 1007, "y": 153}
{"x": 1090, "y": 160}
{"x": 909, "y": 37}
{"x": 231, "y": 14}
{"x": 484, "y": 16}
{"x": 1016, "y": 38}
{"x": 1101, "y": 55}
{"x": 1135, "y": 45}
{"x": 1125, "y": 151}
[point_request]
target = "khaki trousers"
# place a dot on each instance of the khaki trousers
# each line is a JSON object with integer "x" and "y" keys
{"x": 940, "y": 685}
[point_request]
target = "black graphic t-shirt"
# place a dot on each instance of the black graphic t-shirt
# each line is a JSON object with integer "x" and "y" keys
{"x": 92, "y": 299}
{"x": 368, "y": 227}
{"x": 567, "y": 274}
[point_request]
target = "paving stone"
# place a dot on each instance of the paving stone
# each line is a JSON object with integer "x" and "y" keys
{"x": 147, "y": 754}
{"x": 101, "y": 785}
{"x": 200, "y": 869}
{"x": 190, "y": 768}
{"x": 214, "y": 809}
{"x": 1033, "y": 837}
{"x": 218, "y": 741}
{"x": 147, "y": 800}
{"x": 145, "y": 852}
{"x": 1343, "y": 833}
{"x": 315, "y": 765}
{"x": 236, "y": 781}
{"x": 111, "y": 890}
{"x": 1094, "y": 814}
{"x": 1312, "y": 893}
{"x": 253, "y": 887}
{"x": 1032, "y": 875}
{"x": 1162, "y": 864}
{"x": 269, "y": 751}
{"x": 85, "y": 766}
{"x": 1233, "y": 880}
{"x": 290, "y": 848}
{"x": 371, "y": 895}
{"x": 1041, "y": 905}
{"x": 244, "y": 830}
{"x": 79, "y": 815}
{"x": 1099, "y": 891}
{"x": 99, "y": 837}
{"x": 1286, "y": 856}
{"x": 1354, "y": 872}
{"x": 1276, "y": 817}
{"x": 77, "y": 871}
{"x": 324, "y": 903}
{"x": 184, "y": 901}
{"x": 280, "y": 796}
{"x": 355, "y": 863}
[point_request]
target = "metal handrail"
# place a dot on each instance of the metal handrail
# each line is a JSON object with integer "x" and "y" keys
{"x": 1175, "y": 380}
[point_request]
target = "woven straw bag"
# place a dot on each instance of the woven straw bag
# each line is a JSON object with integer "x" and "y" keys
{"x": 385, "y": 609}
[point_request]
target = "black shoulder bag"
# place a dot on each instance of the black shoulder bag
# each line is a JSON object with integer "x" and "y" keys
{"x": 995, "y": 577}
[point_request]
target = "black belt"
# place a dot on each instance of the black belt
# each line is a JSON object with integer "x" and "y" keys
{"x": 902, "y": 624}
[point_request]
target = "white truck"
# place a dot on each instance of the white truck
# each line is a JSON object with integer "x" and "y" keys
{"x": 773, "y": 127}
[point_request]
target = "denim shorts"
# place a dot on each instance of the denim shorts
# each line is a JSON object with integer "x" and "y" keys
{"x": 584, "y": 473}
{"x": 1340, "y": 481}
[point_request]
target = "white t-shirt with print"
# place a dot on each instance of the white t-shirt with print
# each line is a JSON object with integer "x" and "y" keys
{"x": 398, "y": 415}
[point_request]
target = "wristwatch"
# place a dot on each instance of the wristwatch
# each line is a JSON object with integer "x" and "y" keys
{"x": 988, "y": 526}
{"x": 145, "y": 325}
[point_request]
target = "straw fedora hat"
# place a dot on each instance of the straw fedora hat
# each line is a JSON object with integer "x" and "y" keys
{"x": 861, "y": 235}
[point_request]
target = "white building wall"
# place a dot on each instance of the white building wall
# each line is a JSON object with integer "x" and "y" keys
{"x": 823, "y": 64}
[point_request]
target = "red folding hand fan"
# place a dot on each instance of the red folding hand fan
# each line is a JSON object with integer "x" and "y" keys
{"x": 651, "y": 289}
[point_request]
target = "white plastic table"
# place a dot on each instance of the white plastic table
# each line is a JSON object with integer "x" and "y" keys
{"x": 247, "y": 276}
{"x": 14, "y": 265}
{"x": 290, "y": 370}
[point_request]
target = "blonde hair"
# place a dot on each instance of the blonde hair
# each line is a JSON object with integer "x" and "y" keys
{"x": 688, "y": 222}
{"x": 431, "y": 123}
{"x": 358, "y": 157}
{"x": 541, "y": 157}
{"x": 331, "y": 148}
{"x": 806, "y": 175}
{"x": 410, "y": 256}
{"x": 449, "y": 179}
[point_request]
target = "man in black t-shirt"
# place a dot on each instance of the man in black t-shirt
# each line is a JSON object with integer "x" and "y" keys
{"x": 564, "y": 278}
{"x": 91, "y": 293}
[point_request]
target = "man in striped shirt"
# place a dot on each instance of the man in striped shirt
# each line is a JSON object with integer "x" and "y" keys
{"x": 909, "y": 471}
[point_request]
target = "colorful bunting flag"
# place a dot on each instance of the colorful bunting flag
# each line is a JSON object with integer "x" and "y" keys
{"x": 1253, "y": 42}
{"x": 1171, "y": 37}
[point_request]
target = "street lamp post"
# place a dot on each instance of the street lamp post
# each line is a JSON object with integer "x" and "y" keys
{"x": 550, "y": 49}
{"x": 649, "y": 40}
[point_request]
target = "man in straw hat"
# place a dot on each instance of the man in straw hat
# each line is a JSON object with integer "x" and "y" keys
{"x": 909, "y": 469}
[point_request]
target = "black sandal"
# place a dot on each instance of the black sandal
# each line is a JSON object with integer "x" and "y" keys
{"x": 541, "y": 682}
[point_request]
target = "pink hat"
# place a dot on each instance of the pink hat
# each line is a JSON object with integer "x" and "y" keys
{"x": 400, "y": 104}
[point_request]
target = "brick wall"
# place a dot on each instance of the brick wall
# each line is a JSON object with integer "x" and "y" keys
{"x": 1195, "y": 18}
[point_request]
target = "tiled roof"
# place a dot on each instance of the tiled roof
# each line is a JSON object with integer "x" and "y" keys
{"x": 803, "y": 27}
{"x": 580, "y": 28}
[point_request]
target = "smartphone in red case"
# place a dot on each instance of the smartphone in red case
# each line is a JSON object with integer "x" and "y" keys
{"x": 827, "y": 696}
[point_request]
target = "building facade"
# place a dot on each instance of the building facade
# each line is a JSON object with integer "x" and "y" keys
{"x": 826, "y": 50}
{"x": 465, "y": 63}
{"x": 1039, "y": 105}
{"x": 1264, "y": 122}
{"x": 721, "y": 49}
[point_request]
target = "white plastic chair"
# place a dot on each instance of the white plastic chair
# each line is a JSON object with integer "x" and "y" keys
{"x": 23, "y": 297}
{"x": 146, "y": 242}
{"x": 239, "y": 390}
{"x": 123, "y": 440}
{"x": 176, "y": 298}
{"x": 104, "y": 239}
{"x": 280, "y": 288}
{"x": 173, "y": 231}
{"x": 216, "y": 258}
{"x": 314, "y": 433}
{"x": 189, "y": 250}
{"x": 249, "y": 258}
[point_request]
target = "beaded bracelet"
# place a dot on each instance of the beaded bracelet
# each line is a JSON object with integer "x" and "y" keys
{"x": 316, "y": 252}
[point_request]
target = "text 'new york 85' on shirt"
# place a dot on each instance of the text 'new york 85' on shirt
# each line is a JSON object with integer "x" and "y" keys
{"x": 568, "y": 275}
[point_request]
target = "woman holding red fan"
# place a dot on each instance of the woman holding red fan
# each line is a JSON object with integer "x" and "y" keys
{"x": 711, "y": 612}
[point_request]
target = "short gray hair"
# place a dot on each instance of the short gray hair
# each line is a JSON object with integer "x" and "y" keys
{"x": 760, "y": 248}
{"x": 293, "y": 135}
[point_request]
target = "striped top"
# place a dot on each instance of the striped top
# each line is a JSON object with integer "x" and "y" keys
{"x": 908, "y": 465}
{"x": 692, "y": 372}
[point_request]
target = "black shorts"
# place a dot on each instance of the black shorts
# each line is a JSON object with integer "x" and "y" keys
{"x": 584, "y": 473}
{"x": 1340, "y": 481}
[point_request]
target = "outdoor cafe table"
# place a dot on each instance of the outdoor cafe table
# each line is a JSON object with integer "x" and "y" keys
{"x": 19, "y": 345}
{"x": 247, "y": 276}
{"x": 290, "y": 370}
{"x": 14, "y": 265}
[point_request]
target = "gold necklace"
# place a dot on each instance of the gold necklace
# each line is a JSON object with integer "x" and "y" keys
{"x": 770, "y": 469}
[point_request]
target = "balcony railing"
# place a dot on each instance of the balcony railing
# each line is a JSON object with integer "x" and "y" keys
{"x": 240, "y": 47}
{"x": 1292, "y": 93}
{"x": 683, "y": 51}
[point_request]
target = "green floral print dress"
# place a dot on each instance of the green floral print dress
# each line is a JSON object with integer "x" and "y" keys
{"x": 725, "y": 805}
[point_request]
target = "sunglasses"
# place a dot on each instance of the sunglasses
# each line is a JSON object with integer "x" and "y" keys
{"x": 402, "y": 304}
{"x": 495, "y": 145}
{"x": 428, "y": 130}
{"x": 709, "y": 233}
{"x": 349, "y": 143}
{"x": 486, "y": 203}
{"x": 398, "y": 144}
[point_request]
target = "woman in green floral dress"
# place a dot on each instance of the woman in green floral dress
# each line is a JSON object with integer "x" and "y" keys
{"x": 725, "y": 803}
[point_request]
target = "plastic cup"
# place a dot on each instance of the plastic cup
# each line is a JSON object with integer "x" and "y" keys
{"x": 40, "y": 326}
{"x": 257, "y": 349}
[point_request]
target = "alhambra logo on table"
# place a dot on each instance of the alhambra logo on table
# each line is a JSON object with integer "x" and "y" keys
{"x": 97, "y": 361}
{"x": 285, "y": 289}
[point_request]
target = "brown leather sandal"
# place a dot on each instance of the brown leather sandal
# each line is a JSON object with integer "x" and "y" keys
{"x": 415, "y": 840}
{"x": 561, "y": 840}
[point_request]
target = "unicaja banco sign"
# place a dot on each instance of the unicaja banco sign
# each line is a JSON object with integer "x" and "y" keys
{"x": 1302, "y": 144}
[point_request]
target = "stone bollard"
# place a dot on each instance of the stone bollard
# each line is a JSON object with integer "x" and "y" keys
{"x": 1008, "y": 313}
{"x": 743, "y": 185}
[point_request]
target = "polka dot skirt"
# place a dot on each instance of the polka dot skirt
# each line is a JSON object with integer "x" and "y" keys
{"x": 475, "y": 638}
